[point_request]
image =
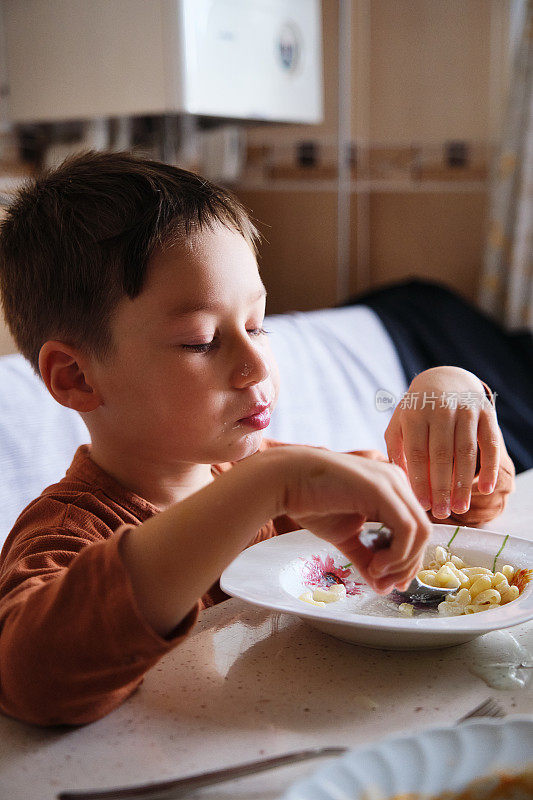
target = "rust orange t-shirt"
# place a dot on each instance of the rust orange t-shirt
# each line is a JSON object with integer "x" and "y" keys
{"x": 73, "y": 644}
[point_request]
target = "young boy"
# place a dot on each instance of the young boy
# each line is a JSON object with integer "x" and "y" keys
{"x": 132, "y": 288}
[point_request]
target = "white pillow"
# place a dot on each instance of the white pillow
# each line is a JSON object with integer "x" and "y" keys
{"x": 333, "y": 363}
{"x": 38, "y": 438}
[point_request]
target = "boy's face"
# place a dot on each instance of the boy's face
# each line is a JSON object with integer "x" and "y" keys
{"x": 192, "y": 378}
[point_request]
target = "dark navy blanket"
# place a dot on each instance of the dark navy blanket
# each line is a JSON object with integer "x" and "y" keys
{"x": 430, "y": 325}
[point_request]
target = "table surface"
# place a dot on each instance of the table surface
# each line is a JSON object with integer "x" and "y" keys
{"x": 249, "y": 683}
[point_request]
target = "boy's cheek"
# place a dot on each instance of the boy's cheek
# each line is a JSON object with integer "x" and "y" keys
{"x": 275, "y": 380}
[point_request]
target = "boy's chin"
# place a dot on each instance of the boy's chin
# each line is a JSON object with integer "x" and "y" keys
{"x": 246, "y": 446}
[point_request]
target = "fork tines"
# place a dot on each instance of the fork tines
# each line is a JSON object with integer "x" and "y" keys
{"x": 488, "y": 708}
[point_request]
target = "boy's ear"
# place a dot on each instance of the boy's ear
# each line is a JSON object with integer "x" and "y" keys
{"x": 64, "y": 372}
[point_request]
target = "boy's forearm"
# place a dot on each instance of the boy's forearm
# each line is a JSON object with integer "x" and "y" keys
{"x": 174, "y": 557}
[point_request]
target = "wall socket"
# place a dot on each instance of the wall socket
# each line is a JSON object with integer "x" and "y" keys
{"x": 456, "y": 153}
{"x": 307, "y": 154}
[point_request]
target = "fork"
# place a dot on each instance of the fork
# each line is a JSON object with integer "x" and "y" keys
{"x": 488, "y": 708}
{"x": 168, "y": 790}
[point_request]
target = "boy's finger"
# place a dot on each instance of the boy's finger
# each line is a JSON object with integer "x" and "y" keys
{"x": 465, "y": 456}
{"x": 417, "y": 543}
{"x": 489, "y": 446}
{"x": 441, "y": 444}
{"x": 410, "y": 564}
{"x": 404, "y": 526}
{"x": 407, "y": 496}
{"x": 397, "y": 579}
{"x": 395, "y": 444}
{"x": 401, "y": 572}
{"x": 416, "y": 452}
{"x": 401, "y": 560}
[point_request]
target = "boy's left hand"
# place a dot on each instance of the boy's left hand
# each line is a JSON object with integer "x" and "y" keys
{"x": 434, "y": 435}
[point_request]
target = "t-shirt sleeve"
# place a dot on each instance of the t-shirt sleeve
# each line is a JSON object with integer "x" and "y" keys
{"x": 73, "y": 644}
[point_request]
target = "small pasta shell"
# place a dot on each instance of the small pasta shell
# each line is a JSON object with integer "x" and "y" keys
{"x": 336, "y": 592}
{"x": 457, "y": 572}
{"x": 511, "y": 594}
{"x": 451, "y": 566}
{"x": 406, "y": 609}
{"x": 458, "y": 562}
{"x": 481, "y": 584}
{"x": 502, "y": 591}
{"x": 307, "y": 597}
{"x": 462, "y": 598}
{"x": 427, "y": 576}
{"x": 508, "y": 571}
{"x": 447, "y": 579}
{"x": 489, "y": 597}
{"x": 497, "y": 578}
{"x": 476, "y": 571}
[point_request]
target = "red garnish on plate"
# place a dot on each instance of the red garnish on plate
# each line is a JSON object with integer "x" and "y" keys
{"x": 323, "y": 572}
{"x": 521, "y": 579}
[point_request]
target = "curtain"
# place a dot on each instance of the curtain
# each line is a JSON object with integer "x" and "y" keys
{"x": 506, "y": 290}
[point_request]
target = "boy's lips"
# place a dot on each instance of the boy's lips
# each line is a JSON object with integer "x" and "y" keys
{"x": 258, "y": 418}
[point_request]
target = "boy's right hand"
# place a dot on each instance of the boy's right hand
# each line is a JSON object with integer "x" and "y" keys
{"x": 175, "y": 556}
{"x": 334, "y": 494}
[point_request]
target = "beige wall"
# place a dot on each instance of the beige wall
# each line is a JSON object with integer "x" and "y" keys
{"x": 298, "y": 257}
{"x": 423, "y": 73}
{"x": 433, "y": 235}
{"x": 429, "y": 69}
{"x": 443, "y": 244}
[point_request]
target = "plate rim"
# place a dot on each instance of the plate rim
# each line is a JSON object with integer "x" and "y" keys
{"x": 466, "y": 624}
{"x": 405, "y": 736}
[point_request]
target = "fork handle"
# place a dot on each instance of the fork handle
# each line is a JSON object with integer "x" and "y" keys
{"x": 165, "y": 790}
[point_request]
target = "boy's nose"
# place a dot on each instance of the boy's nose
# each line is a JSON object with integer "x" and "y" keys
{"x": 251, "y": 367}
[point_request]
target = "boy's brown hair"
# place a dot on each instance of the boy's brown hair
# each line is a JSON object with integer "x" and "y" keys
{"x": 79, "y": 238}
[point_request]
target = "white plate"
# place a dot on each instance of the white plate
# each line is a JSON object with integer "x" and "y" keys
{"x": 270, "y": 574}
{"x": 429, "y": 762}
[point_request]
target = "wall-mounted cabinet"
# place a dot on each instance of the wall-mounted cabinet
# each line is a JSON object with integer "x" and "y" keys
{"x": 80, "y": 59}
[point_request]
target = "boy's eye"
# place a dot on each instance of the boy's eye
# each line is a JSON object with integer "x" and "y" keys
{"x": 206, "y": 347}
{"x": 257, "y": 331}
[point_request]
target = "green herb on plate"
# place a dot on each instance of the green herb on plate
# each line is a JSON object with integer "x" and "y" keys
{"x": 453, "y": 537}
{"x": 499, "y": 553}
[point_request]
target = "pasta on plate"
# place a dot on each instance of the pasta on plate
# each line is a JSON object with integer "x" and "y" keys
{"x": 475, "y": 588}
{"x": 479, "y": 588}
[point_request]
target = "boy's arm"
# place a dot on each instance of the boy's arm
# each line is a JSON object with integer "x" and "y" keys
{"x": 73, "y": 645}
{"x": 332, "y": 494}
{"x": 76, "y": 640}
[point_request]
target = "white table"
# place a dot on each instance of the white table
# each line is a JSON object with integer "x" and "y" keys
{"x": 249, "y": 683}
